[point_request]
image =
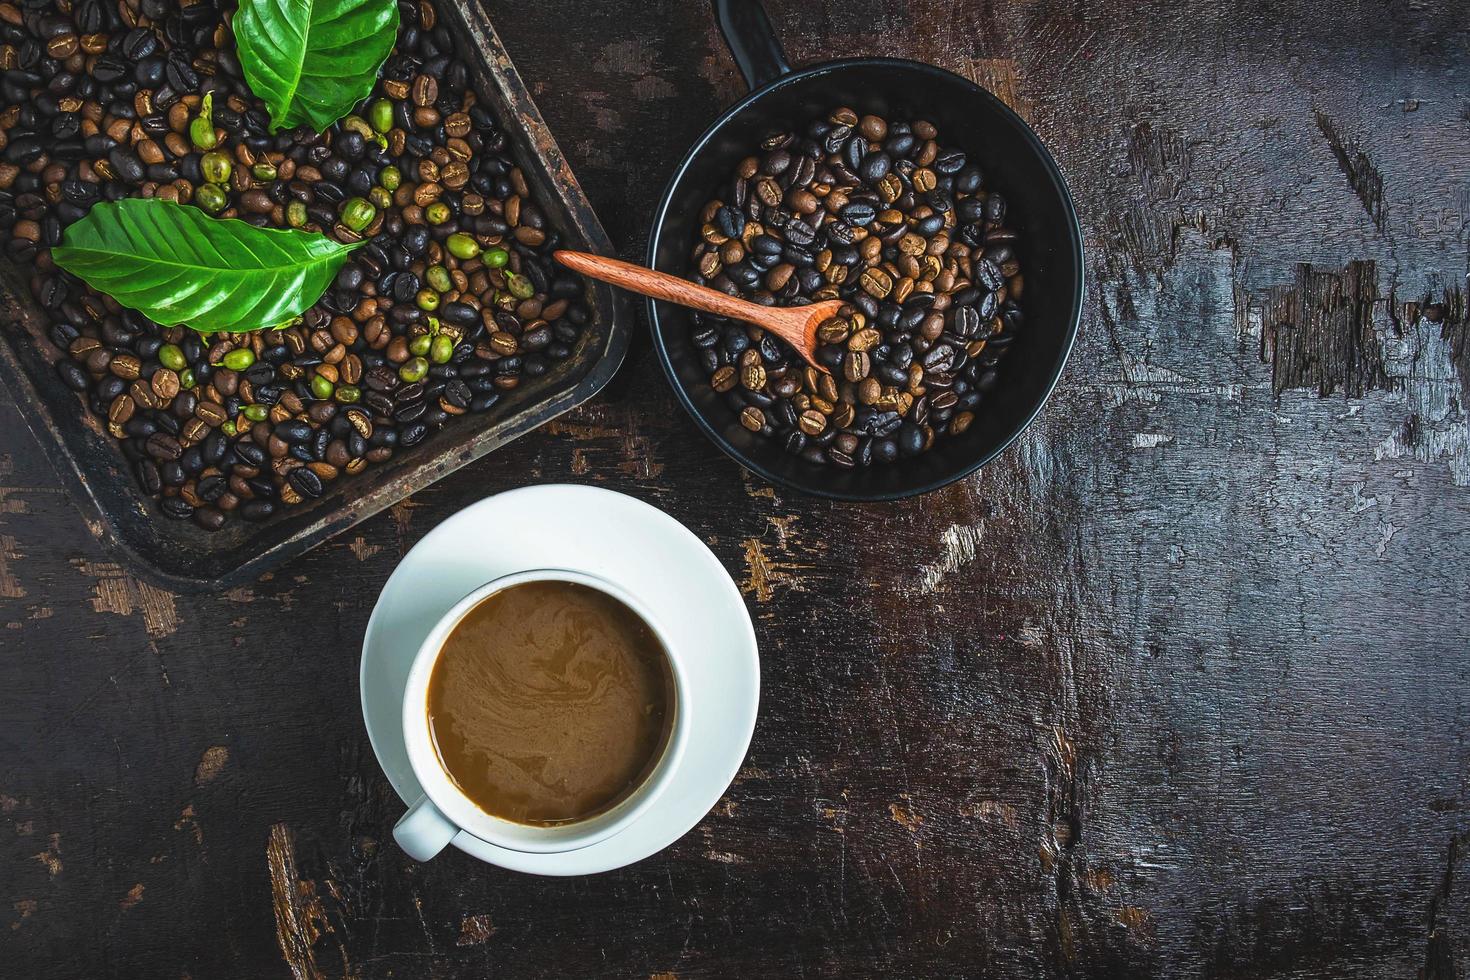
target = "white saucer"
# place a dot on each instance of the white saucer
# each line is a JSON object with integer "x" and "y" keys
{"x": 628, "y": 542}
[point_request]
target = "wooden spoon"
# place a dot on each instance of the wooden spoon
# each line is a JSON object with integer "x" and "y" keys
{"x": 797, "y": 325}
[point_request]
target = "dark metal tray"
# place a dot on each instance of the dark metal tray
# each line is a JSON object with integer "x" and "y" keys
{"x": 185, "y": 558}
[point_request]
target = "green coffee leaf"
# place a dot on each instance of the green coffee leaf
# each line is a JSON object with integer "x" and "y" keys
{"x": 175, "y": 264}
{"x": 311, "y": 61}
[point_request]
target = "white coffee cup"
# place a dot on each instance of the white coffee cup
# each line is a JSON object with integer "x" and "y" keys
{"x": 444, "y": 811}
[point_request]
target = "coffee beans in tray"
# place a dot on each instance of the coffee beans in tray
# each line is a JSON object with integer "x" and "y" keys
{"x": 447, "y": 301}
{"x": 882, "y": 215}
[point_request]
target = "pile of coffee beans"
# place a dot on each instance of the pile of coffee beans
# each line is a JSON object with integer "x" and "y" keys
{"x": 905, "y": 230}
{"x": 453, "y": 301}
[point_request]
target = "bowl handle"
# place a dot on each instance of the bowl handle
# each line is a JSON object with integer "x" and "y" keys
{"x": 748, "y": 34}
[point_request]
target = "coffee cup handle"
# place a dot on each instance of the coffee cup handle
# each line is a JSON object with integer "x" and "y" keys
{"x": 424, "y": 830}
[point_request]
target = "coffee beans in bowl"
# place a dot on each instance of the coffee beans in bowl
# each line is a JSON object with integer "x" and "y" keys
{"x": 883, "y": 215}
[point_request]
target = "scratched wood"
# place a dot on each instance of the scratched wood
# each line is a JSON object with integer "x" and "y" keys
{"x": 1177, "y": 687}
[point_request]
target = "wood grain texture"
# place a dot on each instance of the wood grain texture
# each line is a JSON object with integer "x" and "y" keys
{"x": 1176, "y": 687}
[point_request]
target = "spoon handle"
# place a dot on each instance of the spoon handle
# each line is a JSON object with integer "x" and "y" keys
{"x": 660, "y": 285}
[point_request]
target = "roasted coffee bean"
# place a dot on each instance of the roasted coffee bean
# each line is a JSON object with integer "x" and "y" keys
{"x": 360, "y": 422}
{"x": 457, "y": 394}
{"x": 459, "y": 314}
{"x": 214, "y": 447}
{"x": 875, "y": 167}
{"x": 165, "y": 384}
{"x": 257, "y": 510}
{"x": 73, "y": 376}
{"x": 250, "y": 453}
{"x": 163, "y": 446}
{"x": 211, "y": 413}
{"x": 949, "y": 161}
{"x": 211, "y": 488}
{"x": 940, "y": 358}
{"x": 965, "y": 321}
{"x": 753, "y": 376}
{"x": 121, "y": 410}
{"x": 910, "y": 439}
{"x": 858, "y": 213}
{"x": 294, "y": 431}
{"x": 799, "y": 233}
{"x": 413, "y": 433}
{"x": 730, "y": 222}
{"x": 148, "y": 477}
{"x": 305, "y": 482}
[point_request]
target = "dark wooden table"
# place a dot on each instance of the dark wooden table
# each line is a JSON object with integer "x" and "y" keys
{"x": 1176, "y": 687}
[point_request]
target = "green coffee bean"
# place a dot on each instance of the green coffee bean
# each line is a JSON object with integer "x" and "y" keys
{"x": 419, "y": 346}
{"x": 428, "y": 300}
{"x": 212, "y": 198}
{"x": 495, "y": 257}
{"x": 358, "y": 213}
{"x": 441, "y": 350}
{"x": 216, "y": 166}
{"x": 381, "y": 115}
{"x": 255, "y": 413}
{"x": 171, "y": 357}
{"x": 201, "y": 134}
{"x": 239, "y": 359}
{"x": 380, "y": 198}
{"x": 520, "y": 287}
{"x": 436, "y": 213}
{"x": 228, "y": 427}
{"x": 347, "y": 394}
{"x": 438, "y": 278}
{"x": 321, "y": 387}
{"x": 462, "y": 246}
{"x": 201, "y": 127}
{"x": 413, "y": 370}
{"x": 389, "y": 178}
{"x": 187, "y": 379}
{"x": 263, "y": 171}
{"x": 295, "y": 213}
{"x": 358, "y": 125}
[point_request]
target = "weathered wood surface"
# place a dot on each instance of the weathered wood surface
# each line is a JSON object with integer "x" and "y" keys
{"x": 1176, "y": 687}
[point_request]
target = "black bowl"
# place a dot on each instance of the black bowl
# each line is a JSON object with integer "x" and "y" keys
{"x": 1015, "y": 163}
